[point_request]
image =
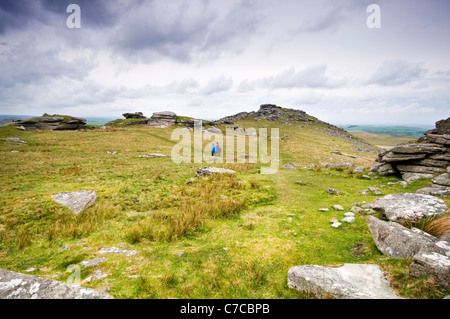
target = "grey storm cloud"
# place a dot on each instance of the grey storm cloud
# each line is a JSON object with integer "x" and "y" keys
{"x": 23, "y": 64}
{"x": 333, "y": 13}
{"x": 157, "y": 30}
{"x": 396, "y": 72}
{"x": 20, "y": 14}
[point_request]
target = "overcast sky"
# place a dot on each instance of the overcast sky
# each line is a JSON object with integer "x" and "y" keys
{"x": 210, "y": 59}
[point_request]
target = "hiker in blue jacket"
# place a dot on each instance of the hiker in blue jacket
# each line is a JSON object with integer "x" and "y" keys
{"x": 213, "y": 150}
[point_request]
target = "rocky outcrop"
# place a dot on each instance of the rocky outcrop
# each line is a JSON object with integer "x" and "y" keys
{"x": 426, "y": 158}
{"x": 350, "y": 281}
{"x": 76, "y": 201}
{"x": 162, "y": 119}
{"x": 408, "y": 207}
{"x": 135, "y": 115}
{"x": 19, "y": 286}
{"x": 271, "y": 112}
{"x": 53, "y": 122}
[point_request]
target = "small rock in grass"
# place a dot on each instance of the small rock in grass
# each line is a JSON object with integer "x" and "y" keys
{"x": 336, "y": 225}
{"x": 348, "y": 219}
{"x": 332, "y": 191}
{"x": 349, "y": 214}
{"x": 338, "y": 207}
{"x": 92, "y": 262}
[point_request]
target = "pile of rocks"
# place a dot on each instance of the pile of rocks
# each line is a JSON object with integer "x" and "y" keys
{"x": 162, "y": 119}
{"x": 425, "y": 159}
{"x": 135, "y": 115}
{"x": 271, "y": 112}
{"x": 431, "y": 255}
{"x": 52, "y": 122}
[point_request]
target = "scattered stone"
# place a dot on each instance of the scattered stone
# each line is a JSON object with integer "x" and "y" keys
{"x": 153, "y": 155}
{"x": 404, "y": 207}
{"x": 92, "y": 262}
{"x": 289, "y": 166}
{"x": 112, "y": 152}
{"x": 76, "y": 201}
{"x": 431, "y": 263}
{"x": 65, "y": 247}
{"x": 205, "y": 171}
{"x": 338, "y": 207}
{"x": 20, "y": 286}
{"x": 14, "y": 140}
{"x": 301, "y": 182}
{"x": 349, "y": 219}
{"x": 332, "y": 191}
{"x": 358, "y": 169}
{"x": 214, "y": 130}
{"x": 324, "y": 210}
{"x": 349, "y": 215}
{"x": 98, "y": 274}
{"x": 336, "y": 225}
{"x": 30, "y": 269}
{"x": 116, "y": 250}
{"x": 373, "y": 190}
{"x": 351, "y": 281}
{"x": 334, "y": 220}
{"x": 366, "y": 177}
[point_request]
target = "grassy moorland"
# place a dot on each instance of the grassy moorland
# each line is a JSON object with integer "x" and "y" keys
{"x": 209, "y": 237}
{"x": 384, "y": 140}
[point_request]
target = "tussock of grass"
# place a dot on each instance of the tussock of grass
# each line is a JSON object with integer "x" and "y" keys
{"x": 435, "y": 225}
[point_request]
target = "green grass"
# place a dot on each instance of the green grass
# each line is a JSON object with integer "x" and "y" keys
{"x": 212, "y": 237}
{"x": 384, "y": 140}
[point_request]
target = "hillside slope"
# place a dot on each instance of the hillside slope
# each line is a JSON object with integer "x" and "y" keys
{"x": 210, "y": 237}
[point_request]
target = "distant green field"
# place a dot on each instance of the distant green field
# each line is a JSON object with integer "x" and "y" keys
{"x": 388, "y": 130}
{"x": 384, "y": 140}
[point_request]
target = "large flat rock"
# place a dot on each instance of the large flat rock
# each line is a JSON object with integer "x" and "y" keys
{"x": 351, "y": 281}
{"x": 397, "y": 241}
{"x": 76, "y": 201}
{"x": 20, "y": 286}
{"x": 403, "y": 207}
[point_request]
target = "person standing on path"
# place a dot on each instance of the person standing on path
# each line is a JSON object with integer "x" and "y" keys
{"x": 218, "y": 149}
{"x": 213, "y": 150}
